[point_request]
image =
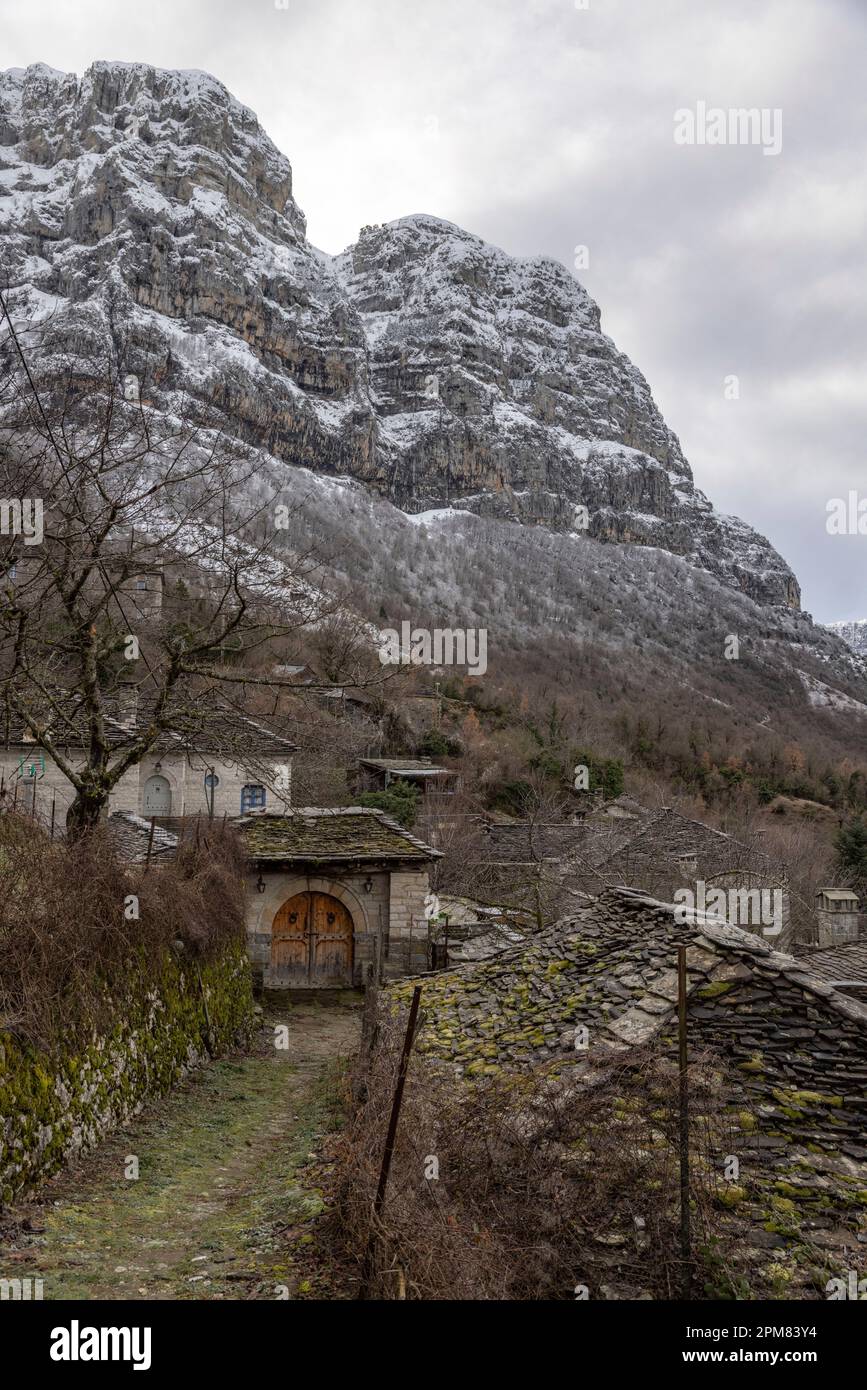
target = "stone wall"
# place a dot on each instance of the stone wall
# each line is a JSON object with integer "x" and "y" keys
{"x": 53, "y": 786}
{"x": 190, "y": 796}
{"x": 408, "y": 928}
{"x": 53, "y": 1107}
{"x": 835, "y": 927}
{"x": 186, "y": 777}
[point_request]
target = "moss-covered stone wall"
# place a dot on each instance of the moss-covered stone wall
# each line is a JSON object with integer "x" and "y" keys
{"x": 54, "y": 1106}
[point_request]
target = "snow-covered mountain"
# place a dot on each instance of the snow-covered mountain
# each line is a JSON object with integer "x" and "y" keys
{"x": 148, "y": 209}
{"x": 853, "y": 633}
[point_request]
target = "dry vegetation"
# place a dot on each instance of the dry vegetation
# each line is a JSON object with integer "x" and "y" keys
{"x": 69, "y": 954}
{"x": 543, "y": 1185}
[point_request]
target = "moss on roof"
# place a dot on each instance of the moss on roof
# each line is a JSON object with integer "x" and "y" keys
{"x": 610, "y": 968}
{"x": 317, "y": 835}
{"x": 523, "y": 1006}
{"x": 788, "y": 1054}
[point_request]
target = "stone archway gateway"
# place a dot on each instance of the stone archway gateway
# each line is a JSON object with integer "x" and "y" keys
{"x": 311, "y": 942}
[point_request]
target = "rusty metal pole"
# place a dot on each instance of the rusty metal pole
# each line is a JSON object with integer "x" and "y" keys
{"x": 685, "y": 1237}
{"x": 390, "y": 1137}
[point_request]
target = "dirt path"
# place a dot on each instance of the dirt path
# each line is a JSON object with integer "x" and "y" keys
{"x": 227, "y": 1203}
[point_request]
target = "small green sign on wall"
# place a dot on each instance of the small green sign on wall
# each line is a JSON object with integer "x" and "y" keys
{"x": 31, "y": 768}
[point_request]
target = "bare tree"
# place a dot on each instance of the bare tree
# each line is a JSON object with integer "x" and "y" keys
{"x": 521, "y": 878}
{"x": 119, "y": 491}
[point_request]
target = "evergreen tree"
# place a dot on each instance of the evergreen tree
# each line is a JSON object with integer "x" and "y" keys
{"x": 850, "y": 844}
{"x": 400, "y": 802}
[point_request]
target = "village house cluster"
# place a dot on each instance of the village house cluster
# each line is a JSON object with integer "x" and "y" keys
{"x": 336, "y": 891}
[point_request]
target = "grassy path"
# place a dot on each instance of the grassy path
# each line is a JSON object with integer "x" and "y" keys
{"x": 226, "y": 1204}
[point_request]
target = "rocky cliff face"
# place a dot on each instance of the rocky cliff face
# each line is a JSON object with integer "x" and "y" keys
{"x": 854, "y": 634}
{"x": 149, "y": 209}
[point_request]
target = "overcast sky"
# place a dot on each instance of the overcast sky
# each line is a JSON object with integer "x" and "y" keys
{"x": 544, "y": 126}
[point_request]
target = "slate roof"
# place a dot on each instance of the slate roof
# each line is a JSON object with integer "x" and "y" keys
{"x": 844, "y": 966}
{"x": 216, "y": 726}
{"x": 296, "y": 670}
{"x": 611, "y": 966}
{"x": 411, "y": 766}
{"x": 527, "y": 844}
{"x": 789, "y": 1051}
{"x": 314, "y": 835}
{"x": 667, "y": 839}
{"x": 131, "y": 834}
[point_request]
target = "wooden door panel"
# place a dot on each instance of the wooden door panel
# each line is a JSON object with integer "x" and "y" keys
{"x": 311, "y": 941}
{"x": 332, "y": 940}
{"x": 331, "y": 956}
{"x": 290, "y": 943}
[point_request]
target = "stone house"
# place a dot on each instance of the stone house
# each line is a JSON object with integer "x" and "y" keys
{"x": 330, "y": 891}
{"x": 232, "y": 764}
{"x": 665, "y": 852}
{"x": 788, "y": 1050}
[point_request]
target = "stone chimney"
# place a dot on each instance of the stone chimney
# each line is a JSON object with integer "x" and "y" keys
{"x": 838, "y": 916}
{"x": 126, "y": 711}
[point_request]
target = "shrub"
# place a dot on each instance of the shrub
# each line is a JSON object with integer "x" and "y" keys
{"x": 538, "y": 1181}
{"x": 850, "y": 845}
{"x": 400, "y": 802}
{"x": 69, "y": 953}
{"x": 435, "y": 744}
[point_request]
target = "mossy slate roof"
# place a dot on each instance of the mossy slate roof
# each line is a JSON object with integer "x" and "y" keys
{"x": 612, "y": 968}
{"x": 789, "y": 1051}
{"x": 317, "y": 835}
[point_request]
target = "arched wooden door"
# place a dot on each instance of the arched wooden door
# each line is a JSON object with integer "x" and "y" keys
{"x": 311, "y": 941}
{"x": 157, "y": 797}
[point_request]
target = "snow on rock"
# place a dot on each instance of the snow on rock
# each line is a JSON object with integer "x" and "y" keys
{"x": 148, "y": 208}
{"x": 853, "y": 633}
{"x": 823, "y": 696}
